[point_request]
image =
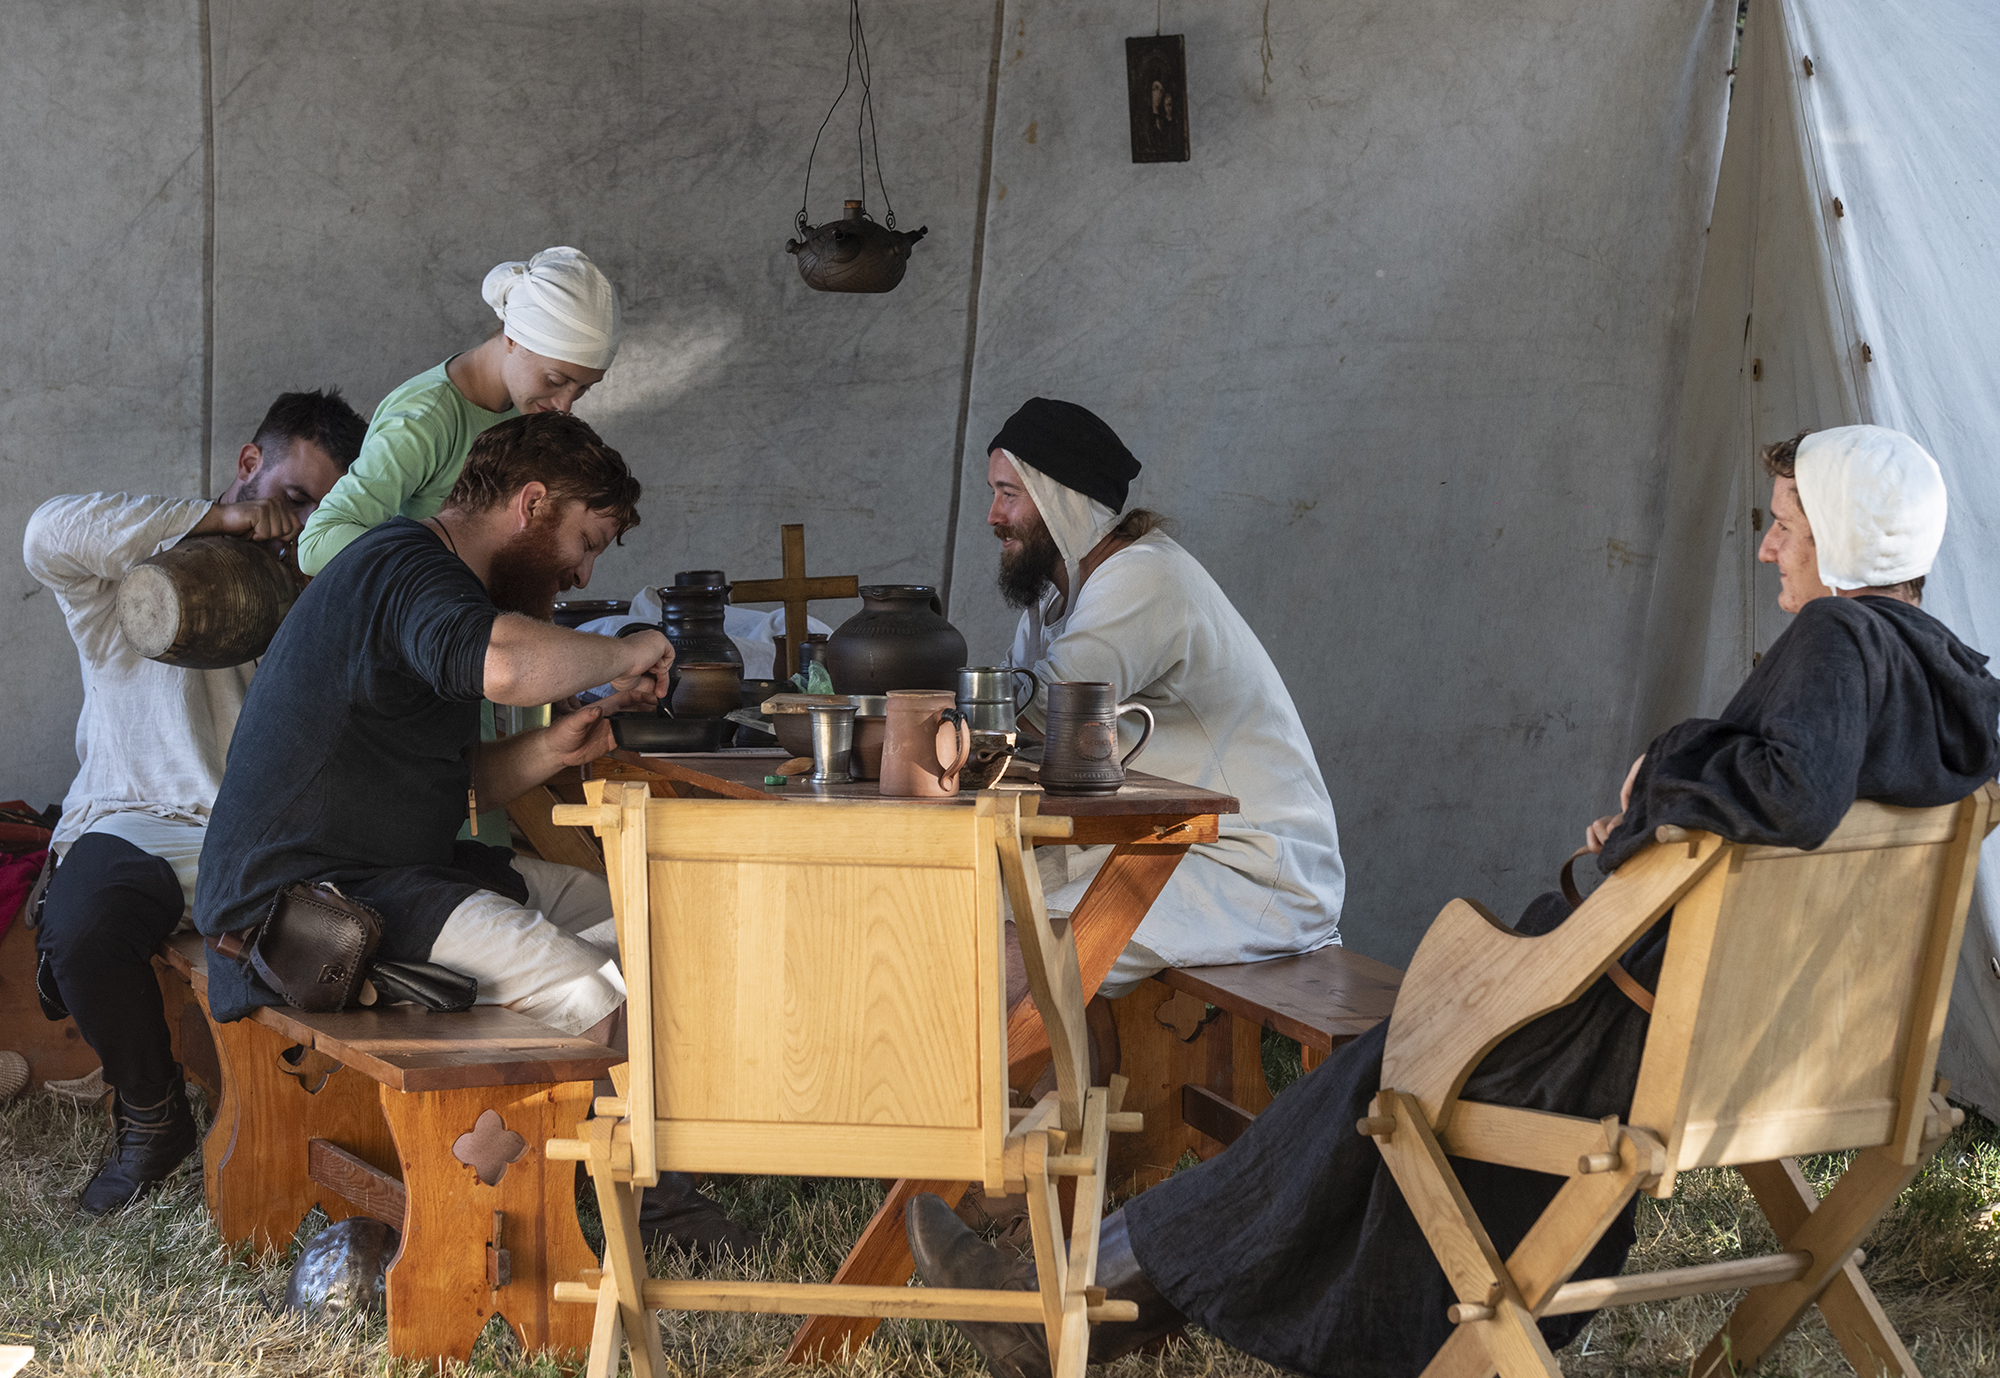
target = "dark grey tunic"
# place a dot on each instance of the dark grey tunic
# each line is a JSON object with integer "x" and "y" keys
{"x": 1295, "y": 1244}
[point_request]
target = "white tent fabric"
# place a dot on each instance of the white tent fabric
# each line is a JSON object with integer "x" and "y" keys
{"x": 1850, "y": 277}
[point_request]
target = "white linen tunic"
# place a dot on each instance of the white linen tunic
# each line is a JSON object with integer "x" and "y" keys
{"x": 150, "y": 738}
{"x": 1153, "y": 623}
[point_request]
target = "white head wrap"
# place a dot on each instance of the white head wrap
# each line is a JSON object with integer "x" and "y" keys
{"x": 559, "y": 305}
{"x": 1876, "y": 503}
{"x": 1076, "y": 522}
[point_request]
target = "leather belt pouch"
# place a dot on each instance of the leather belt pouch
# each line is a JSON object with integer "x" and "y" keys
{"x": 312, "y": 947}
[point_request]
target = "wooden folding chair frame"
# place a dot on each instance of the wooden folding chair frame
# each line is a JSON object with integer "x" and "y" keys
{"x": 1716, "y": 1087}
{"x": 626, "y": 1147}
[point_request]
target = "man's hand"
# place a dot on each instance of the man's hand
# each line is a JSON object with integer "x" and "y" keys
{"x": 260, "y": 519}
{"x": 581, "y": 736}
{"x": 652, "y": 657}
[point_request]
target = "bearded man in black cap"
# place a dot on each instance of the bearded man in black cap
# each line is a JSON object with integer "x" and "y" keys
{"x": 1113, "y": 598}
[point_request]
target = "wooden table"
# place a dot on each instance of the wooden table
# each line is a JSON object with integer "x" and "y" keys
{"x": 1149, "y": 824}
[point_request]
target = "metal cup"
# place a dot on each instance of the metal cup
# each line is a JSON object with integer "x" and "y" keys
{"x": 833, "y": 743}
{"x": 988, "y": 696}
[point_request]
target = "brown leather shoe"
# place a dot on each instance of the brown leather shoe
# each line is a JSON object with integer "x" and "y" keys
{"x": 950, "y": 1255}
{"x": 151, "y": 1140}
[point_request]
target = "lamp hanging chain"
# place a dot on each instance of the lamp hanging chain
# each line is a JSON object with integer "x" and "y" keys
{"x": 857, "y": 61}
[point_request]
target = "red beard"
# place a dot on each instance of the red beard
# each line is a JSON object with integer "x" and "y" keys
{"x": 528, "y": 573}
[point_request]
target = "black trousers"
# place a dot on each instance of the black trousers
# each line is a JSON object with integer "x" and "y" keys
{"x": 107, "y": 908}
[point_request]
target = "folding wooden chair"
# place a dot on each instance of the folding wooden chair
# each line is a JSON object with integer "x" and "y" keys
{"x": 820, "y": 991}
{"x": 1799, "y": 1011}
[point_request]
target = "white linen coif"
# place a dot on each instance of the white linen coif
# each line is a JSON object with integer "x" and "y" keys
{"x": 1077, "y": 523}
{"x": 1876, "y": 503}
{"x": 558, "y": 304}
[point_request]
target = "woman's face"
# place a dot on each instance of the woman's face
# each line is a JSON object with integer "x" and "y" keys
{"x": 538, "y": 383}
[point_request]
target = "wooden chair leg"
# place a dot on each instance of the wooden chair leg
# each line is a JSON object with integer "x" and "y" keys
{"x": 1051, "y": 1260}
{"x": 1830, "y": 1233}
{"x": 1557, "y": 1243}
{"x": 624, "y": 1268}
{"x": 606, "y": 1336}
{"x": 474, "y": 1248}
{"x": 1510, "y": 1338}
{"x": 1848, "y": 1303}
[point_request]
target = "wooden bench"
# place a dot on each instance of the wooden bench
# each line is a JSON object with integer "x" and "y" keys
{"x": 433, "y": 1123}
{"x": 1190, "y": 1041}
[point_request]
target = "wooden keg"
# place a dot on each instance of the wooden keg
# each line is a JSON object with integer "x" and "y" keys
{"x": 208, "y": 603}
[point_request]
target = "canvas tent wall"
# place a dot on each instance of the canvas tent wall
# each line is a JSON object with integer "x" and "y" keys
{"x": 1851, "y": 276}
{"x": 1400, "y": 347}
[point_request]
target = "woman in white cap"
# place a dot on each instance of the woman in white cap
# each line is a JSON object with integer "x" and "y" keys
{"x": 559, "y": 328}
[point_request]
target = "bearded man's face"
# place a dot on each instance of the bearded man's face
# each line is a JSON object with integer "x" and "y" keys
{"x": 1028, "y": 568}
{"x": 533, "y": 569}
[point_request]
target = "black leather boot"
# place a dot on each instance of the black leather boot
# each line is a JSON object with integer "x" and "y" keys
{"x": 1118, "y": 1273}
{"x": 152, "y": 1139}
{"x": 673, "y": 1212}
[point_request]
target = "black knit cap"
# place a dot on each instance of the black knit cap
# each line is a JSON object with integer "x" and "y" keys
{"x": 1073, "y": 446}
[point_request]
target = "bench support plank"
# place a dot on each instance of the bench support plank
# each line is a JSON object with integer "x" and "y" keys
{"x": 441, "y": 1292}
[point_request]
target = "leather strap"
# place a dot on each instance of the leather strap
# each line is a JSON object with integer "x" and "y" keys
{"x": 1620, "y": 977}
{"x": 233, "y": 945}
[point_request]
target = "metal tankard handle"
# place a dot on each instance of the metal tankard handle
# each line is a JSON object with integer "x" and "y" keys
{"x": 1144, "y": 737}
{"x": 1033, "y": 685}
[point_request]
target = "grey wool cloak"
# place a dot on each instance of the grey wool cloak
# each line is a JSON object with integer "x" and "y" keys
{"x": 1295, "y": 1245}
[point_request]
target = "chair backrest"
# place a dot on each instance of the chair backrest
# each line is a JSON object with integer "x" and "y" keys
{"x": 1803, "y": 994}
{"x": 813, "y": 989}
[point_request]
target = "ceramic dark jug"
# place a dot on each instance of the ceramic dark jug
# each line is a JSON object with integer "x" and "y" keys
{"x": 1080, "y": 755}
{"x": 899, "y": 640}
{"x": 691, "y": 616}
{"x": 853, "y": 254}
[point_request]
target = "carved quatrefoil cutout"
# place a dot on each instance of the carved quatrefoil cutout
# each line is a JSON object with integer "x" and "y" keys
{"x": 490, "y": 1147}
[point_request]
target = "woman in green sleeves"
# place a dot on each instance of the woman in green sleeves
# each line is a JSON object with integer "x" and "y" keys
{"x": 559, "y": 327}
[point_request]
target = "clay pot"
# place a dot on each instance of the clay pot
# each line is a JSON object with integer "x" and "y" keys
{"x": 853, "y": 253}
{"x": 926, "y": 745}
{"x": 708, "y": 689}
{"x": 207, "y": 604}
{"x": 691, "y": 616}
{"x": 899, "y": 640}
{"x": 1080, "y": 755}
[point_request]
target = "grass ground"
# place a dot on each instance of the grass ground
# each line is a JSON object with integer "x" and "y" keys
{"x": 150, "y": 1292}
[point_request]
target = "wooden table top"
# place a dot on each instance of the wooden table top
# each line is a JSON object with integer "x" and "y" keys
{"x": 1140, "y": 795}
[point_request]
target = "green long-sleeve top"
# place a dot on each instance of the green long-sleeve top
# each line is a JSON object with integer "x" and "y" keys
{"x": 415, "y": 446}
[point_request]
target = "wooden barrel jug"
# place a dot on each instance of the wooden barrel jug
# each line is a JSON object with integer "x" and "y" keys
{"x": 207, "y": 604}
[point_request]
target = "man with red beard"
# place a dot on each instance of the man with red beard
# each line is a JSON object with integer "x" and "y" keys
{"x": 358, "y": 756}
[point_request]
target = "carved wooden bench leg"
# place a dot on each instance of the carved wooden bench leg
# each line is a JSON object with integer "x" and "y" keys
{"x": 1180, "y": 1054}
{"x": 254, "y": 1161}
{"x": 491, "y": 1225}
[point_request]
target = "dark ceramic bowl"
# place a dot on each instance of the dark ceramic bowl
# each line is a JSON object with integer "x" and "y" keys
{"x": 649, "y": 732}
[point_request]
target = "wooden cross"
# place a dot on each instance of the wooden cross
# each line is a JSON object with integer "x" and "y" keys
{"x": 794, "y": 590}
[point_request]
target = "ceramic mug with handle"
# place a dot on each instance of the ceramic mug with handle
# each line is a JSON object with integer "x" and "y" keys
{"x": 1080, "y": 751}
{"x": 927, "y": 743}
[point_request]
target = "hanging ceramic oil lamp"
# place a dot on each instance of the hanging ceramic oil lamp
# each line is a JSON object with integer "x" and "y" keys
{"x": 853, "y": 254}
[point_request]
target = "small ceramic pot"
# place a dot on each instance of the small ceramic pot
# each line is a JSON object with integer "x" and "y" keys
{"x": 708, "y": 689}
{"x": 926, "y": 745}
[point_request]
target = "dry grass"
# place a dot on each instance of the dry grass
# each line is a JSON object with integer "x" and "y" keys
{"x": 150, "y": 1292}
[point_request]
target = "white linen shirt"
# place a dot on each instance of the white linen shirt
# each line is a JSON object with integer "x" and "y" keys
{"x": 150, "y": 738}
{"x": 1152, "y": 622}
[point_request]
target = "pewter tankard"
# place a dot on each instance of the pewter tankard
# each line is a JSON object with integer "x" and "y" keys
{"x": 988, "y": 696}
{"x": 1081, "y": 752}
